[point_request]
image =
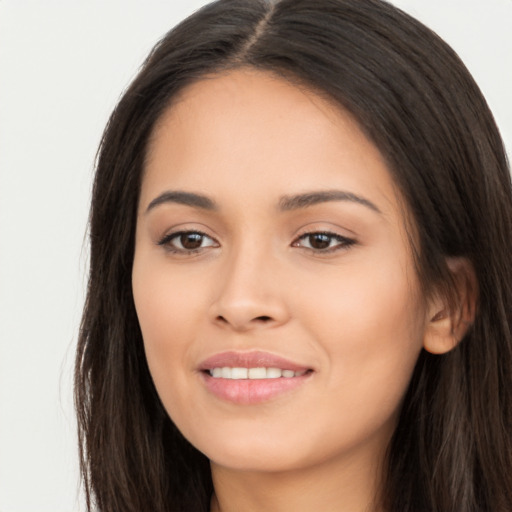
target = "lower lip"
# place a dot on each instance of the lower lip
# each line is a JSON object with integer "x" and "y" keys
{"x": 252, "y": 391}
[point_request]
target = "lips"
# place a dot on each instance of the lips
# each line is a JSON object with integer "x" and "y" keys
{"x": 251, "y": 377}
{"x": 254, "y": 359}
{"x": 227, "y": 372}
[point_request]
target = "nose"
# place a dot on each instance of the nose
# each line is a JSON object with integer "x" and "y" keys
{"x": 251, "y": 293}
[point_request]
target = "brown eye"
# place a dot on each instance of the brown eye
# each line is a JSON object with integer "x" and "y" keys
{"x": 323, "y": 242}
{"x": 187, "y": 242}
{"x": 191, "y": 240}
{"x": 319, "y": 241}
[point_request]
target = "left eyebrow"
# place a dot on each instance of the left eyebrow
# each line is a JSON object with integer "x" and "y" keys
{"x": 187, "y": 198}
{"x": 287, "y": 203}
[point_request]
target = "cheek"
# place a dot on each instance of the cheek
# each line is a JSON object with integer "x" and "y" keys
{"x": 370, "y": 333}
{"x": 167, "y": 300}
{"x": 370, "y": 326}
{"x": 162, "y": 309}
{"x": 166, "y": 310}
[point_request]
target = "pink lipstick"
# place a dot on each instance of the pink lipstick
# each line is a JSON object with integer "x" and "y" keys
{"x": 251, "y": 377}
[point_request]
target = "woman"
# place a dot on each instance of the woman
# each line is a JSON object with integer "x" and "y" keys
{"x": 300, "y": 289}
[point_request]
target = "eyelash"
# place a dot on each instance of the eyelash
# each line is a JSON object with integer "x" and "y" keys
{"x": 343, "y": 242}
{"x": 166, "y": 242}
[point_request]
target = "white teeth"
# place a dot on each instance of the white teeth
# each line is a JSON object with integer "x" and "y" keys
{"x": 239, "y": 373}
{"x": 274, "y": 373}
{"x": 257, "y": 373}
{"x": 253, "y": 373}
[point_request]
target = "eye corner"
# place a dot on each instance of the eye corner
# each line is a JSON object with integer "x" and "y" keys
{"x": 176, "y": 242}
{"x": 326, "y": 242}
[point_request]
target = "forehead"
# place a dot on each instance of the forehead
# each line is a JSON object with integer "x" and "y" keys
{"x": 253, "y": 133}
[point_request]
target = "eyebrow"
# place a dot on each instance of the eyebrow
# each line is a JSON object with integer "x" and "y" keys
{"x": 298, "y": 201}
{"x": 186, "y": 198}
{"x": 286, "y": 203}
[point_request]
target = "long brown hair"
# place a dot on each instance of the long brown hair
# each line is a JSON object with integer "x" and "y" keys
{"x": 413, "y": 97}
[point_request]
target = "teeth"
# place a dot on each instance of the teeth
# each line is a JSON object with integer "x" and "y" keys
{"x": 274, "y": 373}
{"x": 252, "y": 373}
{"x": 239, "y": 373}
{"x": 257, "y": 373}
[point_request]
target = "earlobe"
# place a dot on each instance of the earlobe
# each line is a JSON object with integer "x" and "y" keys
{"x": 450, "y": 315}
{"x": 440, "y": 336}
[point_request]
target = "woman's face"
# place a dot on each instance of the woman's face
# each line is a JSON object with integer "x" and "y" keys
{"x": 273, "y": 277}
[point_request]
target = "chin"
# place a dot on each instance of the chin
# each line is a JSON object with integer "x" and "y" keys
{"x": 254, "y": 459}
{"x": 252, "y": 451}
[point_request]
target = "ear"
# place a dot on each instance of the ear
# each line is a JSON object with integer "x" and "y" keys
{"x": 449, "y": 315}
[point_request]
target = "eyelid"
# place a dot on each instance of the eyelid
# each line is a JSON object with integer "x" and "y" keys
{"x": 344, "y": 241}
{"x": 168, "y": 237}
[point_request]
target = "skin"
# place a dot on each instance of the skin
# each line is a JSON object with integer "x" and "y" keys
{"x": 354, "y": 314}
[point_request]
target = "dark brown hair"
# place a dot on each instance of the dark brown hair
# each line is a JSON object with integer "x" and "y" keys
{"x": 413, "y": 97}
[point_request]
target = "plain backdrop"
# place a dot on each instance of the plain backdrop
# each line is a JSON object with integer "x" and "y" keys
{"x": 63, "y": 66}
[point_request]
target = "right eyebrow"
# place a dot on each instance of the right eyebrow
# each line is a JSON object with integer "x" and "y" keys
{"x": 307, "y": 199}
{"x": 186, "y": 198}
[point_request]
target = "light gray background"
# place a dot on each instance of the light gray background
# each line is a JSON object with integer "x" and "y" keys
{"x": 63, "y": 66}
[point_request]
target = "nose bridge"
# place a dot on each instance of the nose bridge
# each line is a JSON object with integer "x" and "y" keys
{"x": 249, "y": 293}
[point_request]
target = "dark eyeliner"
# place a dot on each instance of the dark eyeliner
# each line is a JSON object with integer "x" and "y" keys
{"x": 344, "y": 242}
{"x": 166, "y": 239}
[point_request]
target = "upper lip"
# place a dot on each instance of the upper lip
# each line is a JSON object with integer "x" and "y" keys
{"x": 253, "y": 359}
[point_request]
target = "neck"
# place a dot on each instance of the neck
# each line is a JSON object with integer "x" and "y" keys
{"x": 328, "y": 486}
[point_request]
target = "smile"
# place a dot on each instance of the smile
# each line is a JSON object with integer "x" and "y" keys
{"x": 247, "y": 378}
{"x": 238, "y": 373}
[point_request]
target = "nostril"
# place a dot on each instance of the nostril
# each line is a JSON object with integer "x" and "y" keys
{"x": 243, "y": 322}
